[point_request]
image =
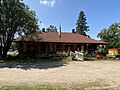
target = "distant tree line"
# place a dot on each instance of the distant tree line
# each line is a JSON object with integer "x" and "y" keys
{"x": 51, "y": 28}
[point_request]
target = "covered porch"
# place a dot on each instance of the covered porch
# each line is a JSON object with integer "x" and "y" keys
{"x": 36, "y": 48}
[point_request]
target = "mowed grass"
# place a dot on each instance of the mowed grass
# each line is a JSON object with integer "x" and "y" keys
{"x": 38, "y": 87}
{"x": 86, "y": 86}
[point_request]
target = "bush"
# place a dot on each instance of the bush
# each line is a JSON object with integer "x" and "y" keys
{"x": 72, "y": 55}
{"x": 101, "y": 50}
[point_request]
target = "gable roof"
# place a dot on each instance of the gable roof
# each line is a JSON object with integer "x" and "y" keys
{"x": 54, "y": 37}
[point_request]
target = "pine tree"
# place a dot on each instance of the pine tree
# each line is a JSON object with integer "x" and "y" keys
{"x": 82, "y": 27}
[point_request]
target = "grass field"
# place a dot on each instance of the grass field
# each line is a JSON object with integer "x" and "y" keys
{"x": 88, "y": 86}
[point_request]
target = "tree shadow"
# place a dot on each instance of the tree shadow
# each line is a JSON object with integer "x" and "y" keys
{"x": 34, "y": 63}
{"x": 37, "y": 65}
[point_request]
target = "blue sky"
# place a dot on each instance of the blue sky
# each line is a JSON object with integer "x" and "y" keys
{"x": 100, "y": 13}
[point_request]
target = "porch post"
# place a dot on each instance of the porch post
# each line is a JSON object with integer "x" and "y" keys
{"x": 46, "y": 46}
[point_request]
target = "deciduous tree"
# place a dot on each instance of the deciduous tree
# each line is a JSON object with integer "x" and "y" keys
{"x": 111, "y": 35}
{"x": 51, "y": 28}
{"x": 15, "y": 17}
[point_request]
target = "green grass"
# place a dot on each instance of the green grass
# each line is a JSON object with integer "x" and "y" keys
{"x": 55, "y": 88}
{"x": 97, "y": 85}
{"x": 38, "y": 87}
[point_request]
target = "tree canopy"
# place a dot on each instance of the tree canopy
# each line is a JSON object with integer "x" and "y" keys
{"x": 111, "y": 35}
{"x": 15, "y": 17}
{"x": 51, "y": 28}
{"x": 82, "y": 27}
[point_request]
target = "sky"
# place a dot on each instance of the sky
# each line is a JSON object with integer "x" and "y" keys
{"x": 99, "y": 13}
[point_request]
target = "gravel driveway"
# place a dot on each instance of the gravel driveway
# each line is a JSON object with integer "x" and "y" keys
{"x": 75, "y": 72}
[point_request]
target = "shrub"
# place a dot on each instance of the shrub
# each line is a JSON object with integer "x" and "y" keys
{"x": 101, "y": 50}
{"x": 72, "y": 55}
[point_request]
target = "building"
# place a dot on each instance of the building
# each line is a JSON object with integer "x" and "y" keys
{"x": 53, "y": 42}
{"x": 114, "y": 52}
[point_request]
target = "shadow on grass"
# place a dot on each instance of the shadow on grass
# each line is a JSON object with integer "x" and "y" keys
{"x": 32, "y": 63}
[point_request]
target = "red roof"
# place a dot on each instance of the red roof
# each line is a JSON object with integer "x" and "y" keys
{"x": 65, "y": 38}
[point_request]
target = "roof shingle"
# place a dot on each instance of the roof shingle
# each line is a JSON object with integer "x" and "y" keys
{"x": 65, "y": 38}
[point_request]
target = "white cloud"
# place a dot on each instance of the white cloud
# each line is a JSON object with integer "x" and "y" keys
{"x": 42, "y": 25}
{"x": 50, "y": 3}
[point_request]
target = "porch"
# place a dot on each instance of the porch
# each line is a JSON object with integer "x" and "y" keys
{"x": 36, "y": 48}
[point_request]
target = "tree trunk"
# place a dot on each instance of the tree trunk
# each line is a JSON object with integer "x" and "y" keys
{"x": 4, "y": 54}
{"x": 0, "y": 51}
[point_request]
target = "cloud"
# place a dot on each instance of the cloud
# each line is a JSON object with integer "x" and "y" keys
{"x": 42, "y": 25}
{"x": 49, "y": 3}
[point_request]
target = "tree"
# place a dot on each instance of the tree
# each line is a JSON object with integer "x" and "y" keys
{"x": 51, "y": 28}
{"x": 15, "y": 17}
{"x": 111, "y": 35}
{"x": 43, "y": 29}
{"x": 82, "y": 27}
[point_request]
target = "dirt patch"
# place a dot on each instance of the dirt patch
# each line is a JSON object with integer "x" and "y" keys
{"x": 107, "y": 72}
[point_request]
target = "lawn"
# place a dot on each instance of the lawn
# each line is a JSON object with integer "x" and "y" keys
{"x": 88, "y": 86}
{"x": 34, "y": 87}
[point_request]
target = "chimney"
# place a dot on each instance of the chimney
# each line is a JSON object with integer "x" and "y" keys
{"x": 73, "y": 30}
